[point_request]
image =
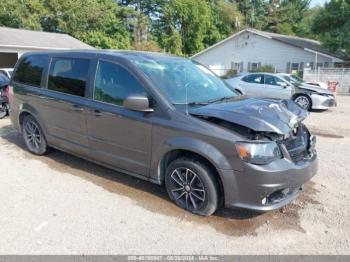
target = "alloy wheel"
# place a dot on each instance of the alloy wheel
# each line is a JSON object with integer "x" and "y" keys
{"x": 32, "y": 135}
{"x": 303, "y": 102}
{"x": 187, "y": 189}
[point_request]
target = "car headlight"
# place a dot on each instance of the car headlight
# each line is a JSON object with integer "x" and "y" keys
{"x": 260, "y": 153}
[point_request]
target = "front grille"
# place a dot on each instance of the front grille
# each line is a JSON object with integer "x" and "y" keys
{"x": 297, "y": 144}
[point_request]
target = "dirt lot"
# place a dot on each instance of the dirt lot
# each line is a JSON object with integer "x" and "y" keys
{"x": 60, "y": 204}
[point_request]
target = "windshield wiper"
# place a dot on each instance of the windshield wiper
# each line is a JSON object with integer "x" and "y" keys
{"x": 220, "y": 99}
{"x": 193, "y": 103}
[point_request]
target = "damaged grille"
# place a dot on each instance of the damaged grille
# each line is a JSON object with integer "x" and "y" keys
{"x": 297, "y": 144}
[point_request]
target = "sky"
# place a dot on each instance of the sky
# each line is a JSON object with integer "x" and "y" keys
{"x": 317, "y": 2}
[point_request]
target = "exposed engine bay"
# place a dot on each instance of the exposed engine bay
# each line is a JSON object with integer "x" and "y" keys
{"x": 270, "y": 120}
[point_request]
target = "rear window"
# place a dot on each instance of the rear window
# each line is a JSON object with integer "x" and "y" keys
{"x": 30, "y": 70}
{"x": 69, "y": 75}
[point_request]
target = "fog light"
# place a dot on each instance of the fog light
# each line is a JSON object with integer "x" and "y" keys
{"x": 263, "y": 201}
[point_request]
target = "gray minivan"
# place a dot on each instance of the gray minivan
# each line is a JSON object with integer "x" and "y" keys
{"x": 167, "y": 120}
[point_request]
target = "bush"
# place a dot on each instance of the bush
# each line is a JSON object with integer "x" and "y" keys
{"x": 150, "y": 46}
{"x": 264, "y": 68}
{"x": 230, "y": 73}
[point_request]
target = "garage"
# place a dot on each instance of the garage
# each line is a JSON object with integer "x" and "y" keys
{"x": 15, "y": 42}
{"x": 8, "y": 60}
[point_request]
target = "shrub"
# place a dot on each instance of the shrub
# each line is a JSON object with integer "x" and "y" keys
{"x": 264, "y": 68}
{"x": 230, "y": 73}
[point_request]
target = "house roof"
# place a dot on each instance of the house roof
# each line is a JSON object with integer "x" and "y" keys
{"x": 304, "y": 43}
{"x": 11, "y": 37}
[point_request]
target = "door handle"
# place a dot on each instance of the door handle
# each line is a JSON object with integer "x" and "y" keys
{"x": 78, "y": 108}
{"x": 97, "y": 112}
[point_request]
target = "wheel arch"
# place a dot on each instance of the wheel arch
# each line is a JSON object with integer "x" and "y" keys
{"x": 303, "y": 94}
{"x": 173, "y": 154}
{"x": 25, "y": 112}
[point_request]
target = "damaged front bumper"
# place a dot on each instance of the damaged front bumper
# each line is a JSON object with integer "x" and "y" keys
{"x": 323, "y": 101}
{"x": 271, "y": 186}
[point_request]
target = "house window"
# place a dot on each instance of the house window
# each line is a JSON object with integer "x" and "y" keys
{"x": 237, "y": 66}
{"x": 252, "y": 66}
{"x": 295, "y": 68}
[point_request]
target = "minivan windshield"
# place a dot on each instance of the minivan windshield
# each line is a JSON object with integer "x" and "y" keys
{"x": 184, "y": 81}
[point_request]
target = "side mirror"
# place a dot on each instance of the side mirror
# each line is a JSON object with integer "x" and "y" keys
{"x": 283, "y": 84}
{"x": 137, "y": 103}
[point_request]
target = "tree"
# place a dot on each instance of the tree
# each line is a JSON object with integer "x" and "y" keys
{"x": 92, "y": 21}
{"x": 284, "y": 16}
{"x": 304, "y": 28}
{"x": 21, "y": 14}
{"x": 87, "y": 20}
{"x": 333, "y": 25}
{"x": 185, "y": 23}
{"x": 225, "y": 19}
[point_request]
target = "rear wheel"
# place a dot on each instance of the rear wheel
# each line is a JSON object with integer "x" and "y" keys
{"x": 33, "y": 136}
{"x": 304, "y": 101}
{"x": 192, "y": 186}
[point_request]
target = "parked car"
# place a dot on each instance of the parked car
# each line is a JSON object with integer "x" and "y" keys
{"x": 317, "y": 84}
{"x": 4, "y": 83}
{"x": 6, "y": 71}
{"x": 167, "y": 120}
{"x": 262, "y": 85}
{"x": 268, "y": 85}
{"x": 309, "y": 96}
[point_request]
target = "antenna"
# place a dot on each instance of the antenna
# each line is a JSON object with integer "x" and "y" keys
{"x": 186, "y": 99}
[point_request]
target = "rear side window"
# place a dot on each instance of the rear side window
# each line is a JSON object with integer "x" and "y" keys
{"x": 256, "y": 79}
{"x": 114, "y": 83}
{"x": 69, "y": 75}
{"x": 30, "y": 70}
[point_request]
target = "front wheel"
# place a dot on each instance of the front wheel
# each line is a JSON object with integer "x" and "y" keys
{"x": 3, "y": 113}
{"x": 192, "y": 186}
{"x": 304, "y": 102}
{"x": 33, "y": 136}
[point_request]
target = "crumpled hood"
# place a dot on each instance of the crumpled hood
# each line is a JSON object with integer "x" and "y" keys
{"x": 265, "y": 115}
{"x": 314, "y": 89}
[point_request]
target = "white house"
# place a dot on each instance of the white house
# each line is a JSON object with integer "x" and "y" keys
{"x": 15, "y": 42}
{"x": 249, "y": 49}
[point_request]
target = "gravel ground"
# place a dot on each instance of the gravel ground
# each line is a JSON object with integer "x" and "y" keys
{"x": 60, "y": 204}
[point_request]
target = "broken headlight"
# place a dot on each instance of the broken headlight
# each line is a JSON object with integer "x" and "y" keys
{"x": 259, "y": 153}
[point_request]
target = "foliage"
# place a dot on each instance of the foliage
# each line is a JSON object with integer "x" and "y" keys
{"x": 333, "y": 25}
{"x": 21, "y": 14}
{"x": 182, "y": 27}
{"x": 92, "y": 21}
{"x": 304, "y": 28}
{"x": 151, "y": 46}
{"x": 264, "y": 68}
{"x": 230, "y": 73}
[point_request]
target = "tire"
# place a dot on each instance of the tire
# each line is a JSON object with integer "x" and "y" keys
{"x": 200, "y": 193}
{"x": 33, "y": 136}
{"x": 3, "y": 111}
{"x": 3, "y": 114}
{"x": 304, "y": 101}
